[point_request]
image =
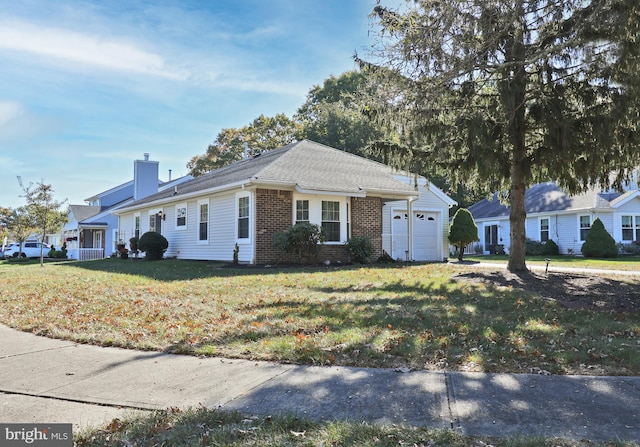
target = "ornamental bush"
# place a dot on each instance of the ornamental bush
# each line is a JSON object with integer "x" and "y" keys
{"x": 360, "y": 249}
{"x": 153, "y": 244}
{"x": 599, "y": 243}
{"x": 302, "y": 240}
{"x": 550, "y": 248}
{"x": 463, "y": 231}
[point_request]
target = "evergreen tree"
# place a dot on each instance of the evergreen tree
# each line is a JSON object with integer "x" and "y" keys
{"x": 463, "y": 231}
{"x": 511, "y": 92}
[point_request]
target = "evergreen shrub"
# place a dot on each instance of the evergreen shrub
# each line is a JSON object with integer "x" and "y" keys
{"x": 599, "y": 243}
{"x": 302, "y": 240}
{"x": 153, "y": 244}
{"x": 360, "y": 249}
{"x": 550, "y": 248}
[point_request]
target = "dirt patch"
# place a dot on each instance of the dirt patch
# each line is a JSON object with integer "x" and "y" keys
{"x": 575, "y": 291}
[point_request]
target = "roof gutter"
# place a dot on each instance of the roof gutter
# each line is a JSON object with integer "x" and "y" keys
{"x": 173, "y": 198}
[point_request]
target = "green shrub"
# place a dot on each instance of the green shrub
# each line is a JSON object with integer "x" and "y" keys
{"x": 360, "y": 249}
{"x": 599, "y": 243}
{"x": 632, "y": 248}
{"x": 550, "y": 248}
{"x": 533, "y": 248}
{"x": 153, "y": 244}
{"x": 302, "y": 240}
{"x": 133, "y": 244}
{"x": 463, "y": 231}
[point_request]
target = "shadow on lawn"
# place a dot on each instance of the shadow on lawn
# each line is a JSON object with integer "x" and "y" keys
{"x": 179, "y": 270}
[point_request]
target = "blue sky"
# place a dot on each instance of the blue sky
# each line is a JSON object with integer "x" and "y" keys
{"x": 86, "y": 87}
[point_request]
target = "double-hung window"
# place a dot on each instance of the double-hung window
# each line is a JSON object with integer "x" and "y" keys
{"x": 243, "y": 217}
{"x": 585, "y": 226}
{"x": 137, "y": 226}
{"x": 302, "y": 211}
{"x": 331, "y": 220}
{"x": 203, "y": 221}
{"x": 544, "y": 229}
{"x": 631, "y": 228}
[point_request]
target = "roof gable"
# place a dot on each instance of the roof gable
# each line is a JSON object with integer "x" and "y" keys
{"x": 304, "y": 165}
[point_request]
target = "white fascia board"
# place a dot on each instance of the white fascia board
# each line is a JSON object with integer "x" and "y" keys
{"x": 624, "y": 199}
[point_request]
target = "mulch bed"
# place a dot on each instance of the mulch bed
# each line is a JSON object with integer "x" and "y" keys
{"x": 574, "y": 291}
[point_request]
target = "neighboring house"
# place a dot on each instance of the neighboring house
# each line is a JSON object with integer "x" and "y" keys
{"x": 566, "y": 219}
{"x": 247, "y": 203}
{"x": 92, "y": 229}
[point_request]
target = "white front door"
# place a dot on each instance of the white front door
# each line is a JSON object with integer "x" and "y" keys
{"x": 399, "y": 235}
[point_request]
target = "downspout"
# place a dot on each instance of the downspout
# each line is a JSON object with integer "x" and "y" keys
{"x": 410, "y": 227}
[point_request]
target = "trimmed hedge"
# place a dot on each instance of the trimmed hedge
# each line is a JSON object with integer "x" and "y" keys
{"x": 153, "y": 244}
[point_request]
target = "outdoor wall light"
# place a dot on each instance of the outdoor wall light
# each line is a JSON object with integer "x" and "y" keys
{"x": 162, "y": 215}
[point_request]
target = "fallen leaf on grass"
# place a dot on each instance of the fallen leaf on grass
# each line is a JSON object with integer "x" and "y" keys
{"x": 298, "y": 434}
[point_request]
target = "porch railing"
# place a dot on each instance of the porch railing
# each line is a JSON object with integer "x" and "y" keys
{"x": 90, "y": 254}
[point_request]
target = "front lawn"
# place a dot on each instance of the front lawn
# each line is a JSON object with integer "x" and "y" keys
{"x": 418, "y": 316}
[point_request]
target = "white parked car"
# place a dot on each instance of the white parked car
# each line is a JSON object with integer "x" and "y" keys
{"x": 30, "y": 249}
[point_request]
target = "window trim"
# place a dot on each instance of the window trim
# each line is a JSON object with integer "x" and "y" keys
{"x": 548, "y": 230}
{"x": 296, "y": 209}
{"x": 581, "y": 228}
{"x": 249, "y": 238}
{"x": 177, "y": 209}
{"x": 136, "y": 225}
{"x": 200, "y": 222}
{"x": 634, "y": 228}
{"x": 332, "y": 221}
{"x": 152, "y": 218}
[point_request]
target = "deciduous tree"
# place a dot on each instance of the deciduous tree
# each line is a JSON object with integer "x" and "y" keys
{"x": 44, "y": 211}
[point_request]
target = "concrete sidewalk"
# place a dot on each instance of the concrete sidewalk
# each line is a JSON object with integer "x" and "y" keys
{"x": 48, "y": 381}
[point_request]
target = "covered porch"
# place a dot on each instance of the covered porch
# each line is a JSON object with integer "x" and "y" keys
{"x": 85, "y": 243}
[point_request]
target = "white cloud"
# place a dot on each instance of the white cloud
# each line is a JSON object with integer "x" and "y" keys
{"x": 84, "y": 48}
{"x": 9, "y": 111}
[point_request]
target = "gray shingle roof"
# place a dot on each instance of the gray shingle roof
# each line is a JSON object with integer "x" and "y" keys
{"x": 304, "y": 164}
{"x": 546, "y": 198}
{"x": 84, "y": 212}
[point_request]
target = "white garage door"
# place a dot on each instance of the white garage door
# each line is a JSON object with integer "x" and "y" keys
{"x": 425, "y": 236}
{"x": 425, "y": 239}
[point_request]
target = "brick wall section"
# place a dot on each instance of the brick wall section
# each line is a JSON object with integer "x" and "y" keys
{"x": 366, "y": 220}
{"x": 274, "y": 211}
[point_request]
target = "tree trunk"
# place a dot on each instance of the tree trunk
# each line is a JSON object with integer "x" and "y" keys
{"x": 517, "y": 133}
{"x": 517, "y": 219}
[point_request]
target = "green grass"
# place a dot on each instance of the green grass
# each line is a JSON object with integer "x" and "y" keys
{"x": 200, "y": 427}
{"x": 375, "y": 316}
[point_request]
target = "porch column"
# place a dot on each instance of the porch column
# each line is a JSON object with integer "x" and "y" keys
{"x": 410, "y": 228}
